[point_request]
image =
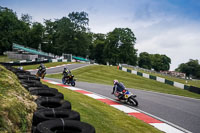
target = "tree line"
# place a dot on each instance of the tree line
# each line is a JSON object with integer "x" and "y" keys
{"x": 71, "y": 34}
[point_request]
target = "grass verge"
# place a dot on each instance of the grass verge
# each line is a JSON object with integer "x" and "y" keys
{"x": 104, "y": 118}
{"x": 17, "y": 106}
{"x": 106, "y": 74}
{"x": 183, "y": 81}
{"x": 4, "y": 58}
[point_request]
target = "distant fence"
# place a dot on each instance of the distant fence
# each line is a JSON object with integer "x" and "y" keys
{"x": 163, "y": 80}
{"x": 152, "y": 71}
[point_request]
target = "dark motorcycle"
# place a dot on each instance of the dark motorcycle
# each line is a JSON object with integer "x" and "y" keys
{"x": 41, "y": 73}
{"x": 127, "y": 97}
{"x": 69, "y": 80}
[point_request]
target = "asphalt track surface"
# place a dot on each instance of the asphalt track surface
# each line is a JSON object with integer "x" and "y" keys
{"x": 60, "y": 68}
{"x": 181, "y": 111}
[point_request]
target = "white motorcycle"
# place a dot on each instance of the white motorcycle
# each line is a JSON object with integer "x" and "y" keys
{"x": 127, "y": 97}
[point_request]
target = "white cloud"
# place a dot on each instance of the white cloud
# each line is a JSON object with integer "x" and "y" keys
{"x": 180, "y": 42}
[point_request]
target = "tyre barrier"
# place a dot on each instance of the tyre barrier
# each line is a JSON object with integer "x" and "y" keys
{"x": 64, "y": 126}
{"x": 41, "y": 88}
{"x": 50, "y": 102}
{"x": 47, "y": 93}
{"x": 50, "y": 114}
{"x": 28, "y": 77}
{"x": 27, "y": 85}
{"x": 26, "y": 81}
{"x": 22, "y": 72}
{"x": 31, "y": 83}
{"x": 53, "y": 113}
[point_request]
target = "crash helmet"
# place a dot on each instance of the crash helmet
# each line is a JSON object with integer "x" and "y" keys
{"x": 115, "y": 82}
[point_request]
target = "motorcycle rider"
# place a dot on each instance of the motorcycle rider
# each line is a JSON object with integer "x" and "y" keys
{"x": 119, "y": 88}
{"x": 66, "y": 73}
{"x": 41, "y": 68}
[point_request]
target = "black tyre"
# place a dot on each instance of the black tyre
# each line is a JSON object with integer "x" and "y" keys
{"x": 50, "y": 114}
{"x": 73, "y": 83}
{"x": 33, "y": 129}
{"x": 42, "y": 88}
{"x": 28, "y": 77}
{"x": 9, "y": 68}
{"x": 132, "y": 101}
{"x": 64, "y": 126}
{"x": 26, "y": 81}
{"x": 47, "y": 93}
{"x": 48, "y": 102}
{"x": 28, "y": 85}
{"x": 22, "y": 72}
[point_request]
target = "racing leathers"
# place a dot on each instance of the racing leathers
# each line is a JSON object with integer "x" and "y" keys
{"x": 119, "y": 87}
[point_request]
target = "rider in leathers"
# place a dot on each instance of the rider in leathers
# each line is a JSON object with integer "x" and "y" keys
{"x": 118, "y": 87}
{"x": 42, "y": 68}
{"x": 66, "y": 74}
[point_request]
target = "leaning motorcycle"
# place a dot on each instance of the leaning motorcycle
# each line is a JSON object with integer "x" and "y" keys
{"x": 41, "y": 73}
{"x": 69, "y": 80}
{"x": 127, "y": 97}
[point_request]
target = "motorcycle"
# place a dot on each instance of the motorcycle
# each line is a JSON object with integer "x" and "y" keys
{"x": 69, "y": 80}
{"x": 127, "y": 97}
{"x": 41, "y": 73}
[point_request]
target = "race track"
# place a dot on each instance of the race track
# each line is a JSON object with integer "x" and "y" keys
{"x": 181, "y": 111}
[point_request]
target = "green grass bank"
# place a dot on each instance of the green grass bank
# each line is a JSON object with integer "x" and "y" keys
{"x": 104, "y": 118}
{"x": 17, "y": 106}
{"x": 106, "y": 74}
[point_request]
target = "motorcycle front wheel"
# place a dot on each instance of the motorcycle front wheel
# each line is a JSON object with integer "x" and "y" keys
{"x": 133, "y": 101}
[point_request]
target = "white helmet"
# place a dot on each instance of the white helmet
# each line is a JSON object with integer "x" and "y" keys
{"x": 115, "y": 82}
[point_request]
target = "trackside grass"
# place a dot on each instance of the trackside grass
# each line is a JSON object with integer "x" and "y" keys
{"x": 4, "y": 58}
{"x": 106, "y": 74}
{"x": 16, "y": 104}
{"x": 183, "y": 81}
{"x": 104, "y": 118}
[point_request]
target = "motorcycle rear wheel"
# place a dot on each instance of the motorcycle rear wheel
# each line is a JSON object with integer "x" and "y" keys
{"x": 73, "y": 83}
{"x": 133, "y": 101}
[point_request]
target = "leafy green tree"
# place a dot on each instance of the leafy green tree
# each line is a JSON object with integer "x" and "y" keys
{"x": 71, "y": 36}
{"x": 26, "y": 19}
{"x": 160, "y": 62}
{"x": 97, "y": 48}
{"x": 12, "y": 30}
{"x": 144, "y": 60}
{"x": 8, "y": 22}
{"x": 80, "y": 20}
{"x": 120, "y": 47}
{"x": 191, "y": 68}
{"x": 64, "y": 36}
{"x": 36, "y": 34}
{"x": 48, "y": 37}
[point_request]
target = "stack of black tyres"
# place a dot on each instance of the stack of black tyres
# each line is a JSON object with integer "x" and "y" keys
{"x": 53, "y": 113}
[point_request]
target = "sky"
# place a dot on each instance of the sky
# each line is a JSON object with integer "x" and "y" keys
{"x": 170, "y": 27}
